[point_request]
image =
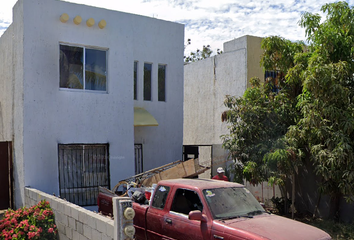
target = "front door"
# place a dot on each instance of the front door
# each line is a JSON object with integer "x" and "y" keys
{"x": 5, "y": 175}
{"x": 138, "y": 158}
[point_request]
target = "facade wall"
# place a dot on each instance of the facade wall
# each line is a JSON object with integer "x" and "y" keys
{"x": 206, "y": 84}
{"x": 208, "y": 81}
{"x": 254, "y": 52}
{"x": 6, "y": 83}
{"x": 18, "y": 102}
{"x": 46, "y": 115}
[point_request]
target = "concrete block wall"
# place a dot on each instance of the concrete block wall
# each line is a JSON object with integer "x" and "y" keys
{"x": 73, "y": 221}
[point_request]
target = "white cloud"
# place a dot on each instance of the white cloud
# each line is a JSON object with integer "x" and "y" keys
{"x": 209, "y": 21}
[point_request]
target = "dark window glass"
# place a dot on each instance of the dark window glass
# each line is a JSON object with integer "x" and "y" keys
{"x": 71, "y": 67}
{"x": 147, "y": 81}
{"x": 186, "y": 201}
{"x": 95, "y": 70}
{"x": 82, "y": 68}
{"x": 160, "y": 197}
{"x": 162, "y": 83}
{"x": 135, "y": 80}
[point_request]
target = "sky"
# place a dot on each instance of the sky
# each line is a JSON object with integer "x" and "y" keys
{"x": 211, "y": 22}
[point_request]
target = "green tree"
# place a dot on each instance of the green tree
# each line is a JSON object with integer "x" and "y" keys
{"x": 327, "y": 99}
{"x": 310, "y": 117}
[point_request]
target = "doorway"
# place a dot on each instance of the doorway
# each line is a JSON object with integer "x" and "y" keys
{"x": 6, "y": 193}
{"x": 139, "y": 165}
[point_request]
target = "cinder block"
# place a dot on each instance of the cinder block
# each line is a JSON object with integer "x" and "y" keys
{"x": 69, "y": 232}
{"x": 68, "y": 208}
{"x": 79, "y": 227}
{"x": 63, "y": 237}
{"x": 33, "y": 194}
{"x": 101, "y": 226}
{"x": 54, "y": 204}
{"x": 76, "y": 235}
{"x": 72, "y": 223}
{"x": 75, "y": 213}
{"x": 91, "y": 221}
{"x": 105, "y": 237}
{"x": 110, "y": 231}
{"x": 83, "y": 216}
{"x": 88, "y": 231}
{"x": 61, "y": 206}
{"x": 61, "y": 227}
{"x": 96, "y": 234}
{"x": 63, "y": 218}
{"x": 82, "y": 237}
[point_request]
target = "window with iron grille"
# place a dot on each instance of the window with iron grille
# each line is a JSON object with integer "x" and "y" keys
{"x": 82, "y": 168}
{"x": 274, "y": 78}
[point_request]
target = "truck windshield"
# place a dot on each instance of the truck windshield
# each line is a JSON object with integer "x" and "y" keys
{"x": 228, "y": 203}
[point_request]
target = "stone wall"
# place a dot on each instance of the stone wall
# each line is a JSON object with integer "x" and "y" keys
{"x": 73, "y": 221}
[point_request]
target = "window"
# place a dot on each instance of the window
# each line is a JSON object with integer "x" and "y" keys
{"x": 186, "y": 201}
{"x": 135, "y": 80}
{"x": 162, "y": 83}
{"x": 232, "y": 202}
{"x": 160, "y": 197}
{"x": 147, "y": 81}
{"x": 274, "y": 79}
{"x": 83, "y": 68}
{"x": 82, "y": 168}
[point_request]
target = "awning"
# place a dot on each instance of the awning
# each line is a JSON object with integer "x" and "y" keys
{"x": 143, "y": 118}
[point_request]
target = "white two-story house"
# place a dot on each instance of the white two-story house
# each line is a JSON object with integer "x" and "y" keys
{"x": 88, "y": 97}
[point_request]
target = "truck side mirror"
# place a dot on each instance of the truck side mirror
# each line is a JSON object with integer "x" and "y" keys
{"x": 197, "y": 215}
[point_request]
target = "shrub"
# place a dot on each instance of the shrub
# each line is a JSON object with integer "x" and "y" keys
{"x": 36, "y": 222}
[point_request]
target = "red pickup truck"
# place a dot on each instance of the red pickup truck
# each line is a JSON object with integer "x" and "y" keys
{"x": 209, "y": 209}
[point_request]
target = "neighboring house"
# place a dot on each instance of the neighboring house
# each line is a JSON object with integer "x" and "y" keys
{"x": 206, "y": 83}
{"x": 88, "y": 97}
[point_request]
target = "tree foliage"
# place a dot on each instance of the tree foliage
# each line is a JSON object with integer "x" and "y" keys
{"x": 311, "y": 115}
{"x": 199, "y": 54}
{"x": 327, "y": 99}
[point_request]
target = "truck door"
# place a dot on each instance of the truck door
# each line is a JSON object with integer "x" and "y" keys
{"x": 176, "y": 223}
{"x": 154, "y": 216}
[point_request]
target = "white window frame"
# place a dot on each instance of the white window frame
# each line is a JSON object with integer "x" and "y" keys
{"x": 84, "y": 63}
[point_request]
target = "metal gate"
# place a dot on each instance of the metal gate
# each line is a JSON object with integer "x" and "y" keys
{"x": 138, "y": 158}
{"x": 82, "y": 169}
{"x": 6, "y": 197}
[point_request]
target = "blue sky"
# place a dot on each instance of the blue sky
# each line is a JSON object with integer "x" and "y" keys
{"x": 211, "y": 22}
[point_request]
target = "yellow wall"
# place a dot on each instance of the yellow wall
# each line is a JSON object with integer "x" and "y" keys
{"x": 254, "y": 53}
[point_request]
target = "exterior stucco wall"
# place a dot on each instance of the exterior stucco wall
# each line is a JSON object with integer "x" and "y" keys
{"x": 18, "y": 102}
{"x": 252, "y": 45}
{"x": 6, "y": 83}
{"x": 162, "y": 144}
{"x": 46, "y": 115}
{"x": 206, "y": 83}
{"x": 254, "y": 52}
